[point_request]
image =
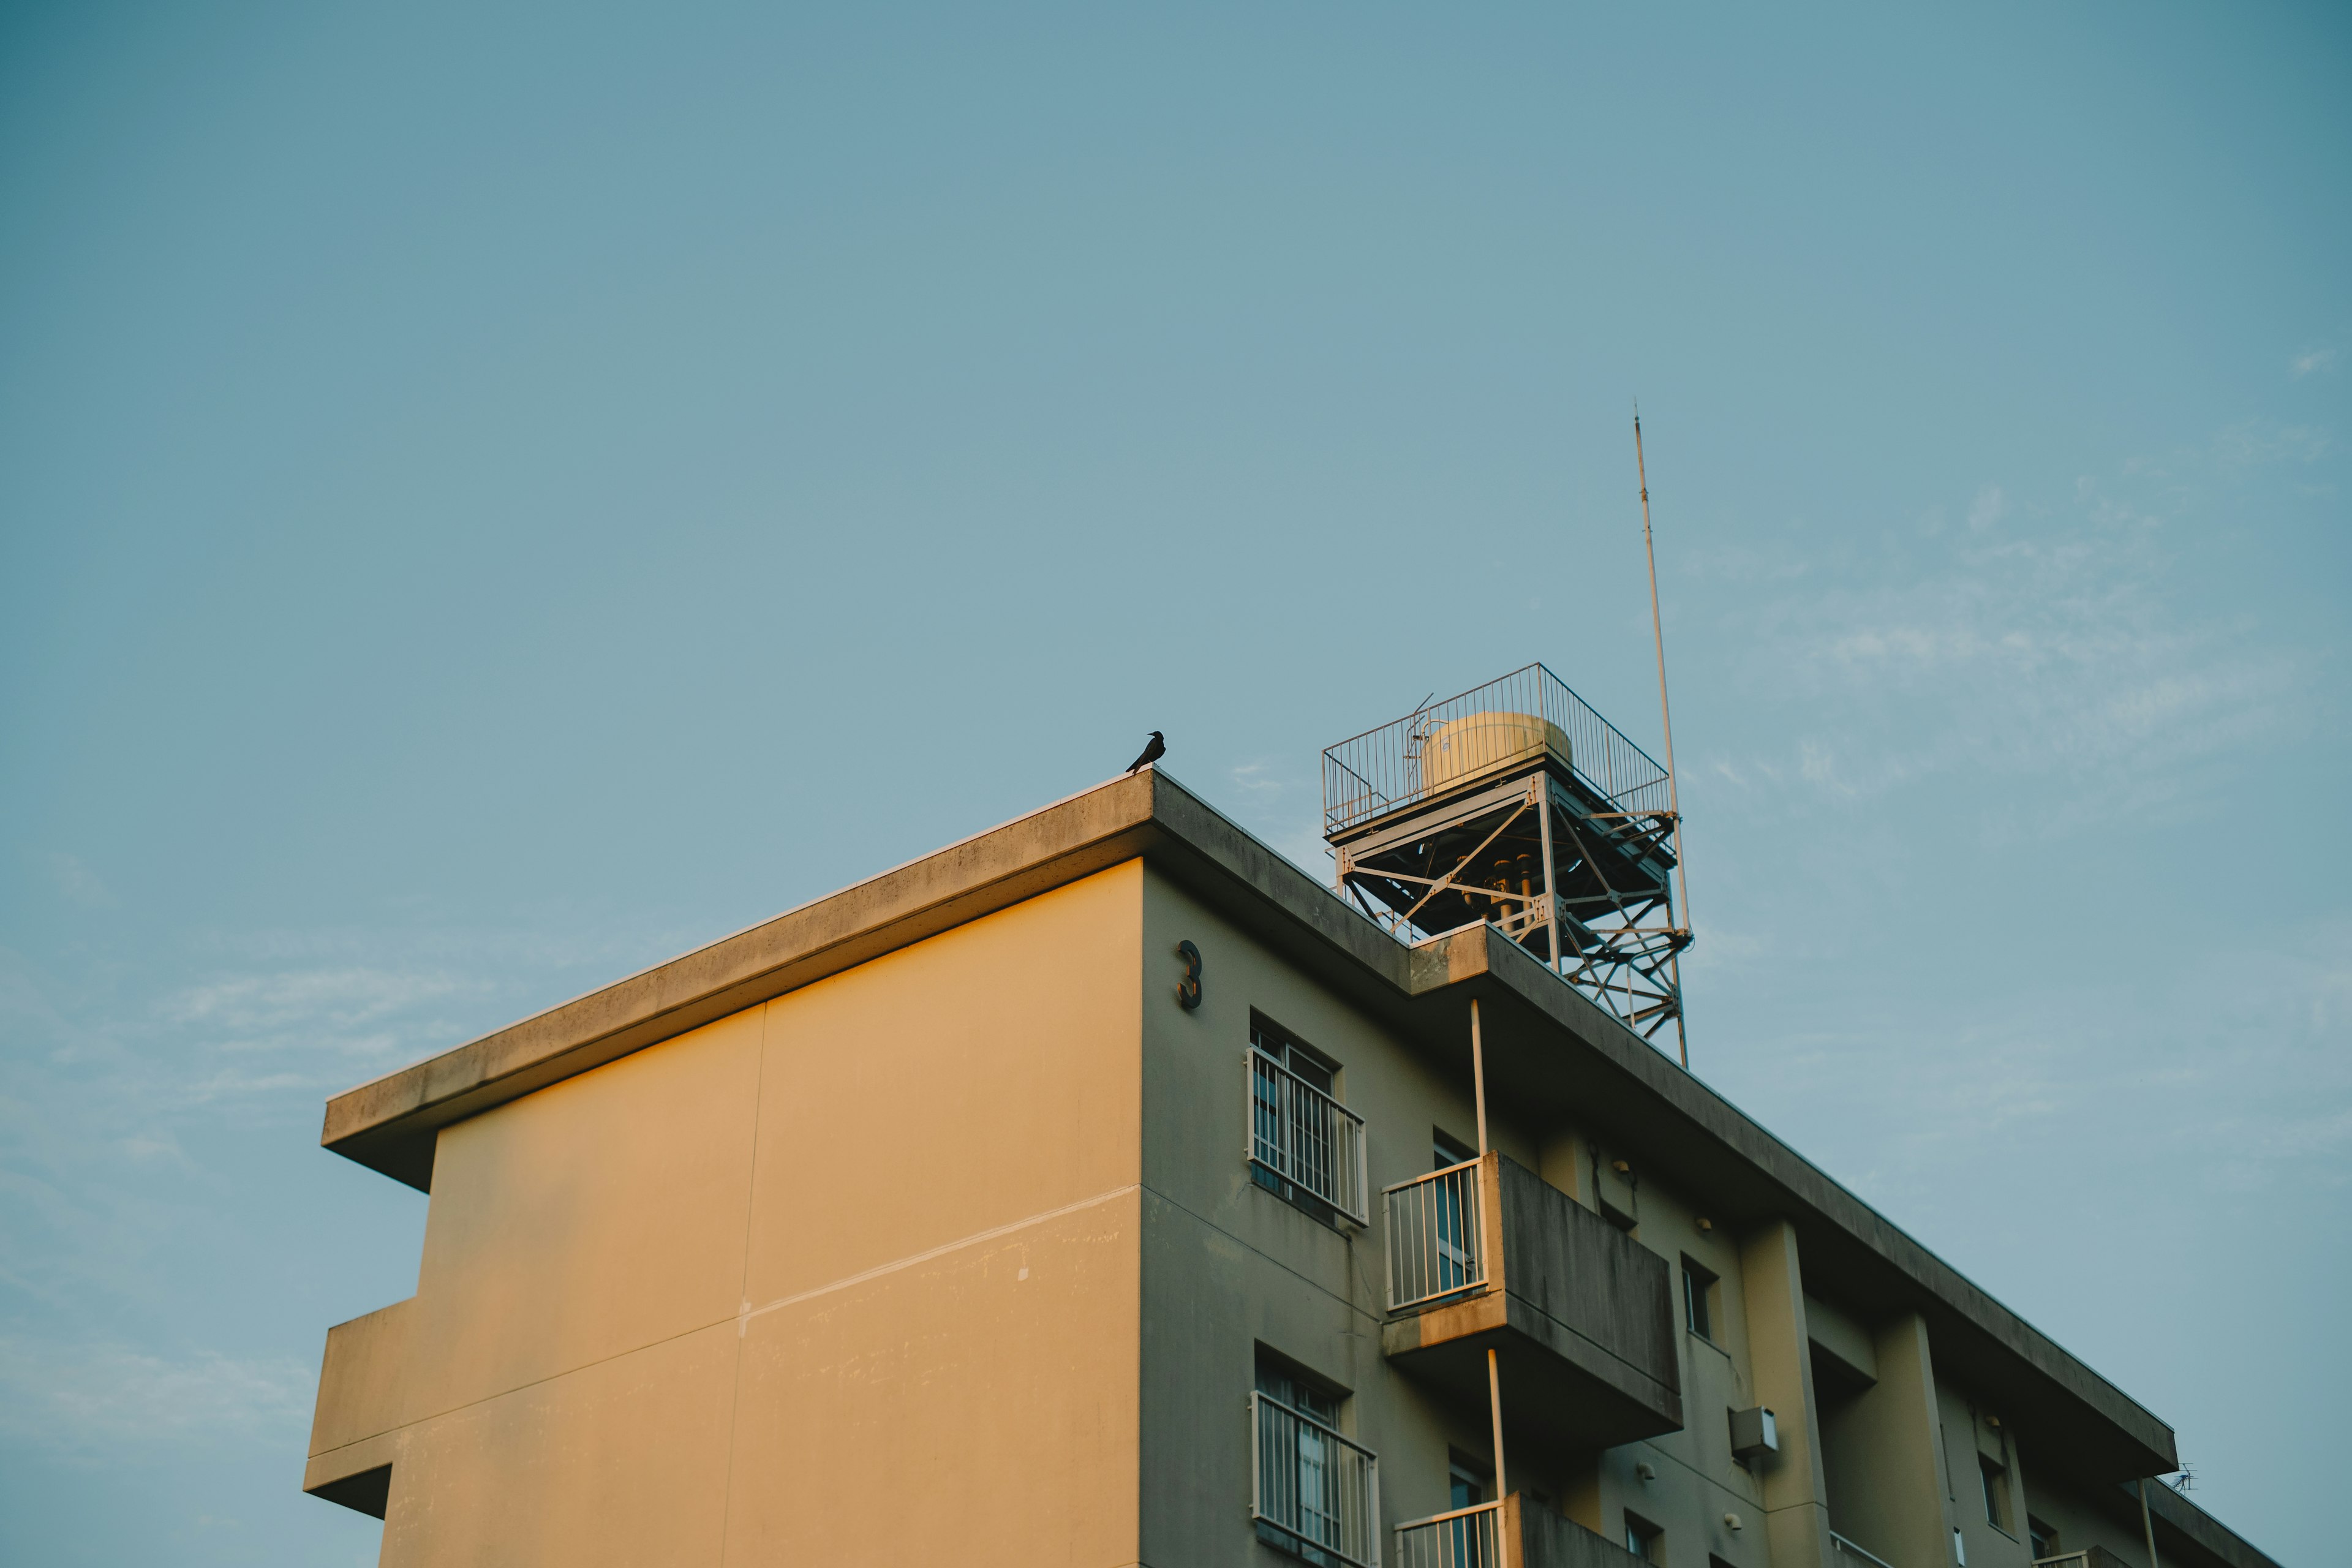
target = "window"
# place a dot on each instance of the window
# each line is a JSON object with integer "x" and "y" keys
{"x": 1471, "y": 1485}
{"x": 1316, "y": 1493}
{"x": 2044, "y": 1538}
{"x": 1995, "y": 1492}
{"x": 1696, "y": 1284}
{"x": 1447, "y": 1152}
{"x": 1305, "y": 1146}
{"x": 1644, "y": 1540}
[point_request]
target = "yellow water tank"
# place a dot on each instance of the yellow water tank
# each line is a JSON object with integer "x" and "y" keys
{"x": 1483, "y": 743}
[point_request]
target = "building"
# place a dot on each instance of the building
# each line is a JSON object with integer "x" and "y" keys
{"x": 1102, "y": 1190}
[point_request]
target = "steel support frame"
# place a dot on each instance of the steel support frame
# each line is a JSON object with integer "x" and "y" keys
{"x": 1625, "y": 941}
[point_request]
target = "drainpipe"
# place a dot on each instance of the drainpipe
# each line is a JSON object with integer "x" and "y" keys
{"x": 1494, "y": 1404}
{"x": 1494, "y": 1377}
{"x": 1478, "y": 1075}
{"x": 2146, "y": 1522}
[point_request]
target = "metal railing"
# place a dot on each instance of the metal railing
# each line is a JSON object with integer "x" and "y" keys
{"x": 1303, "y": 1135}
{"x": 1314, "y": 1487}
{"x": 1840, "y": 1546}
{"x": 1465, "y": 1538}
{"x": 1383, "y": 769}
{"x": 1433, "y": 1236}
{"x": 2064, "y": 1560}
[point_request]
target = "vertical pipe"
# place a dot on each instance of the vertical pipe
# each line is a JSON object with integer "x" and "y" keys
{"x": 1666, "y": 719}
{"x": 2147, "y": 1523}
{"x": 1551, "y": 898}
{"x": 1494, "y": 1406}
{"x": 1478, "y": 1075}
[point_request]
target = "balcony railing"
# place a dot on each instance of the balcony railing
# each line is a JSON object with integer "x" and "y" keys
{"x": 1317, "y": 1491}
{"x": 1465, "y": 1538}
{"x": 1384, "y": 769}
{"x": 1847, "y": 1551}
{"x": 1304, "y": 1136}
{"x": 1435, "y": 1229}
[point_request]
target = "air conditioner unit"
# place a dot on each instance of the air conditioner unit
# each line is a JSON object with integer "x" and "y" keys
{"x": 1753, "y": 1434}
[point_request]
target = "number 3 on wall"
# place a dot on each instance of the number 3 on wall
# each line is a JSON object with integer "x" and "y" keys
{"x": 1188, "y": 990}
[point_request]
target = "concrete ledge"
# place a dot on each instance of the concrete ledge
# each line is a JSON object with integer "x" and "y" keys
{"x": 1570, "y": 1390}
{"x": 360, "y": 1378}
{"x": 358, "y": 1475}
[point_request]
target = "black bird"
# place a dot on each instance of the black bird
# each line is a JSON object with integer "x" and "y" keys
{"x": 1153, "y": 752}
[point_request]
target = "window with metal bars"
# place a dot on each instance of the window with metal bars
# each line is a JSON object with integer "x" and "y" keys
{"x": 1316, "y": 1492}
{"x": 1304, "y": 1145}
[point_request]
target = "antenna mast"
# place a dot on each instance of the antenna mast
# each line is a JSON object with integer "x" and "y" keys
{"x": 1680, "y": 937}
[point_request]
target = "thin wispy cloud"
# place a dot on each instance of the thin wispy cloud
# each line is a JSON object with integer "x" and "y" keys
{"x": 2312, "y": 361}
{"x": 73, "y": 1397}
{"x": 335, "y": 1010}
{"x": 77, "y": 883}
{"x": 2056, "y": 647}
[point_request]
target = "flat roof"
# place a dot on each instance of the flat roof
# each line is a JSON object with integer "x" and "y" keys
{"x": 1547, "y": 1045}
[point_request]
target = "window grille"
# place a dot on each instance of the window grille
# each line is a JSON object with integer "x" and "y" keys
{"x": 1305, "y": 1136}
{"x": 1318, "y": 1492}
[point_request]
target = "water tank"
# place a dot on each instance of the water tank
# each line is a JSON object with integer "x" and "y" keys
{"x": 1483, "y": 742}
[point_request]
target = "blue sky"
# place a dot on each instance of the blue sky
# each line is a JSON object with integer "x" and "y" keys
{"x": 492, "y": 497}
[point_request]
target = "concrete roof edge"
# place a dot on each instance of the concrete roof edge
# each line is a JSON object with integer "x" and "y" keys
{"x": 1707, "y": 1109}
{"x": 377, "y": 1122}
{"x": 2182, "y": 1514}
{"x": 381, "y": 1122}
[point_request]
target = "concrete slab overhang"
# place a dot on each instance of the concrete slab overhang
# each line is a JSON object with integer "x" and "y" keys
{"x": 1548, "y": 1049}
{"x": 1579, "y": 1313}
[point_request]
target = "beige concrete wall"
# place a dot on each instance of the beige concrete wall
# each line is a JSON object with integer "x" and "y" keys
{"x": 945, "y": 1251}
{"x": 1796, "y": 1495}
{"x": 853, "y": 1275}
{"x": 1887, "y": 1478}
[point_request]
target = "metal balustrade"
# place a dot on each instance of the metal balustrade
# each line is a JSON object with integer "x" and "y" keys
{"x": 1305, "y": 1137}
{"x": 1317, "y": 1490}
{"x": 1841, "y": 1547}
{"x": 1465, "y": 1538}
{"x": 1434, "y": 1236}
{"x": 1383, "y": 769}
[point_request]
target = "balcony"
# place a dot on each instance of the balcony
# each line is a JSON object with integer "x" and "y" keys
{"x": 1489, "y": 1255}
{"x": 1505, "y": 1534}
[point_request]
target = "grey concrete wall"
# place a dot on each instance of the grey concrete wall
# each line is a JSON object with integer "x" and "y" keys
{"x": 1229, "y": 1267}
{"x": 1603, "y": 1287}
{"x": 1967, "y": 1436}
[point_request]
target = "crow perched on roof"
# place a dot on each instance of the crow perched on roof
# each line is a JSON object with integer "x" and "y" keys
{"x": 1151, "y": 753}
